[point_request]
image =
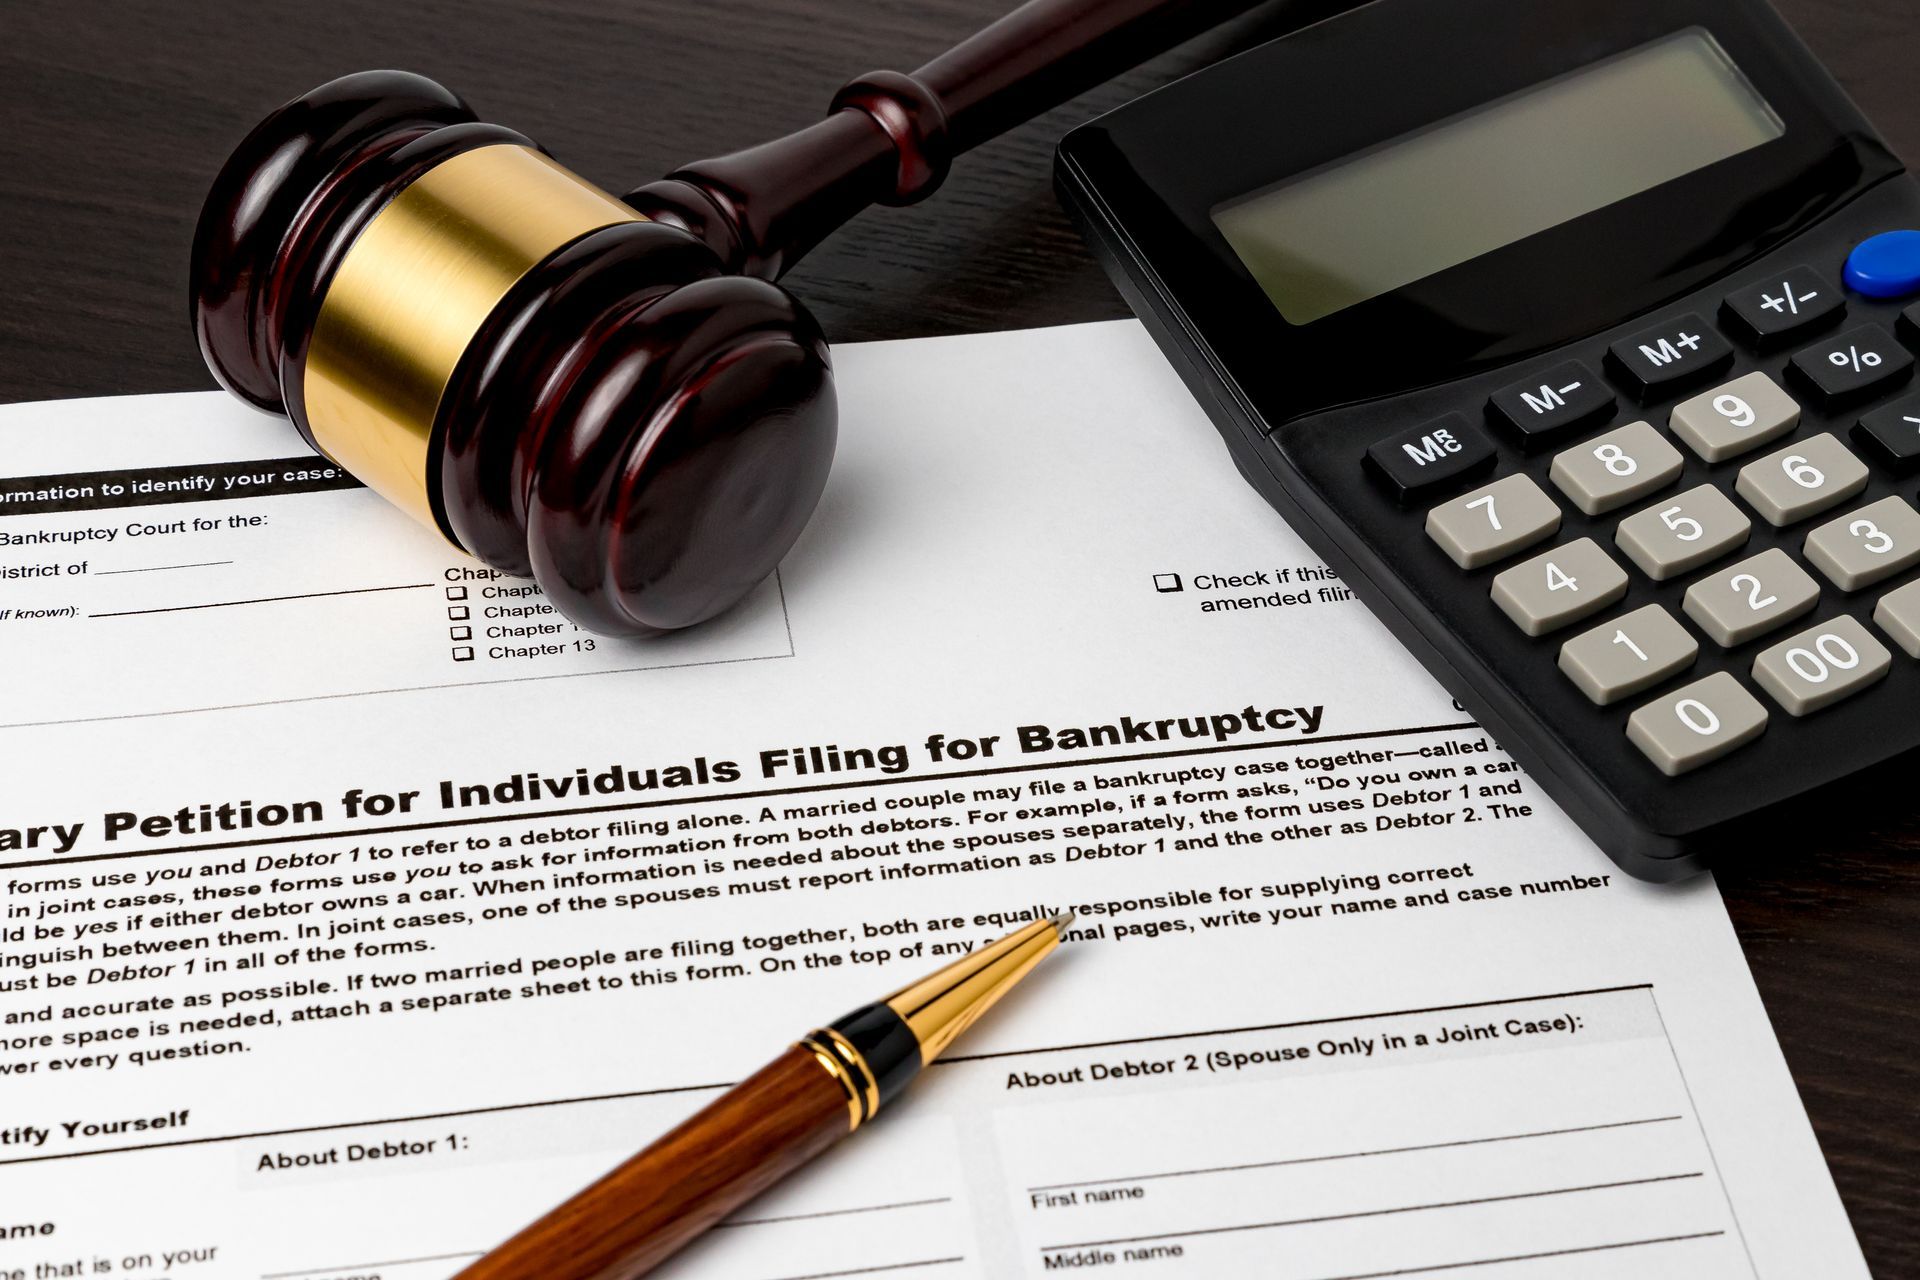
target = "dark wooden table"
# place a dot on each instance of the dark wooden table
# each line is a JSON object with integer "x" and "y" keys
{"x": 117, "y": 112}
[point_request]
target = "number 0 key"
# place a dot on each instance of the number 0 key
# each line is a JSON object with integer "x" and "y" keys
{"x": 1696, "y": 724}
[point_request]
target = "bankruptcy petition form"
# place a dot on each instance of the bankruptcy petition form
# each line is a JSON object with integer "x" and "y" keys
{"x": 359, "y": 908}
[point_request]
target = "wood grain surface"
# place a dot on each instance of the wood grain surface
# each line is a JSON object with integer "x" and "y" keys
{"x": 650, "y": 1206}
{"x": 117, "y": 113}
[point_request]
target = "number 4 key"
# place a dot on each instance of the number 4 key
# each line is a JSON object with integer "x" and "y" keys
{"x": 1559, "y": 587}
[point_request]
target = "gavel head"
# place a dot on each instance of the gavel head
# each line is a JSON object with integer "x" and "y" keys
{"x": 555, "y": 384}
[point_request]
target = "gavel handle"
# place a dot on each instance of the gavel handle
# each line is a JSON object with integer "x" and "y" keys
{"x": 889, "y": 138}
{"x": 1048, "y": 51}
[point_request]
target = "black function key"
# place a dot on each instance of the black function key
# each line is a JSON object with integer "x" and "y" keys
{"x": 1427, "y": 457}
{"x": 1853, "y": 364}
{"x": 1677, "y": 351}
{"x": 1767, "y": 313}
{"x": 1559, "y": 399}
{"x": 1891, "y": 434}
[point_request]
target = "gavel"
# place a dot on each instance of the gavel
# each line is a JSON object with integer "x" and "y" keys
{"x": 612, "y": 396}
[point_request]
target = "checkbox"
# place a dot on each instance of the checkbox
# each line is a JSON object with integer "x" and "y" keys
{"x": 460, "y": 633}
{"x": 456, "y": 593}
{"x": 463, "y": 653}
{"x": 459, "y": 613}
{"x": 1165, "y": 582}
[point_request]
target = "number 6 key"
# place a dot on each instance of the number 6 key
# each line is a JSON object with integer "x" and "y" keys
{"x": 1802, "y": 480}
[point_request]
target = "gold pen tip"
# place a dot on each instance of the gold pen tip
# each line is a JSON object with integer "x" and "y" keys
{"x": 944, "y": 1003}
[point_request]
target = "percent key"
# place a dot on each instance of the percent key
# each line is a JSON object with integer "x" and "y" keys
{"x": 1854, "y": 364}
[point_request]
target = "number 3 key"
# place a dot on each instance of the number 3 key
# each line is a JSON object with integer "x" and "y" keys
{"x": 1865, "y": 546}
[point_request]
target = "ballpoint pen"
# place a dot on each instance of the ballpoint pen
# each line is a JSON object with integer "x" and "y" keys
{"x": 824, "y": 1087}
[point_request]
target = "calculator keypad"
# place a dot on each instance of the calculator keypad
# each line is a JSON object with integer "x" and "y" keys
{"x": 1865, "y": 546}
{"x": 1802, "y": 480}
{"x": 1622, "y": 466}
{"x": 1821, "y": 665}
{"x": 1853, "y": 364}
{"x": 1493, "y": 522}
{"x": 1750, "y": 598}
{"x": 1699, "y": 496}
{"x": 1559, "y": 587}
{"x": 1698, "y": 723}
{"x": 1633, "y": 652}
{"x": 1679, "y": 534}
{"x": 1735, "y": 417}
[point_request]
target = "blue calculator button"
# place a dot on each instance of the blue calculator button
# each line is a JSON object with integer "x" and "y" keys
{"x": 1886, "y": 265}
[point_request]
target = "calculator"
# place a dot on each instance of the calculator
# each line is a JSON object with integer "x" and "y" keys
{"x": 1579, "y": 339}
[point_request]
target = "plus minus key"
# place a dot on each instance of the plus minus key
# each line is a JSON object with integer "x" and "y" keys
{"x": 1786, "y": 304}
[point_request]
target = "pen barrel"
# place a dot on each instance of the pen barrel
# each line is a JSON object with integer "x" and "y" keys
{"x": 648, "y": 1208}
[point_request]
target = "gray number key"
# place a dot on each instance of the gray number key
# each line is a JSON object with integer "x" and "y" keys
{"x": 1684, "y": 532}
{"x": 1821, "y": 665}
{"x": 1559, "y": 586}
{"x": 1612, "y": 470}
{"x": 1620, "y": 658}
{"x": 1750, "y": 598}
{"x": 1698, "y": 723}
{"x": 1735, "y": 417}
{"x": 1898, "y": 614}
{"x": 1864, "y": 546}
{"x": 1493, "y": 521}
{"x": 1801, "y": 480}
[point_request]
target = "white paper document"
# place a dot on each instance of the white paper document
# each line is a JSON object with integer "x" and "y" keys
{"x": 359, "y": 908}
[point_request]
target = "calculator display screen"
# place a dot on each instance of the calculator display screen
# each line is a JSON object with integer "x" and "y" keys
{"x": 1374, "y": 222}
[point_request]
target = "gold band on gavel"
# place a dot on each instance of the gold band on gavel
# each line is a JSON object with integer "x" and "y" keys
{"x": 412, "y": 292}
